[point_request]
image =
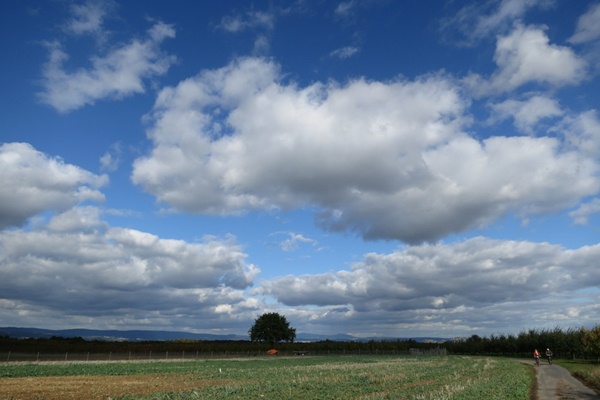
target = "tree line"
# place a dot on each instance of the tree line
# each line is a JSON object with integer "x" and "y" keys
{"x": 79, "y": 345}
{"x": 565, "y": 343}
{"x": 569, "y": 343}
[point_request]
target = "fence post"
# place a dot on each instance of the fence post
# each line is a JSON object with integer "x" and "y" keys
{"x": 166, "y": 355}
{"x": 150, "y": 357}
{"x": 66, "y": 355}
{"x": 88, "y": 356}
{"x": 38, "y": 356}
{"x": 8, "y": 358}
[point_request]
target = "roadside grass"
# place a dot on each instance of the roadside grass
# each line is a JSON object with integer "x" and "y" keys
{"x": 319, "y": 377}
{"x": 585, "y": 370}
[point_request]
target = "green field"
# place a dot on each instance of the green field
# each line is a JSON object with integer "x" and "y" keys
{"x": 587, "y": 371}
{"x": 316, "y": 377}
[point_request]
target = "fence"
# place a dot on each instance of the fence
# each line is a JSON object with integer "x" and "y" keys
{"x": 190, "y": 355}
{"x": 115, "y": 356}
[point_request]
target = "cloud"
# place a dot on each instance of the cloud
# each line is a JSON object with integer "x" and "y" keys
{"x": 477, "y": 284}
{"x": 526, "y": 114}
{"x": 78, "y": 270}
{"x": 584, "y": 211}
{"x": 346, "y": 8}
{"x": 118, "y": 74}
{"x": 261, "y": 45}
{"x": 344, "y": 52}
{"x": 294, "y": 242}
{"x": 88, "y": 17}
{"x": 32, "y": 183}
{"x": 81, "y": 218}
{"x": 480, "y": 20}
{"x": 582, "y": 131}
{"x": 249, "y": 20}
{"x": 111, "y": 159}
{"x": 588, "y": 26}
{"x": 261, "y": 21}
{"x": 506, "y": 12}
{"x": 526, "y": 56}
{"x": 377, "y": 158}
{"x": 80, "y": 266}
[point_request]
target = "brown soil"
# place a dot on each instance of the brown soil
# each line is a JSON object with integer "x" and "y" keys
{"x": 98, "y": 387}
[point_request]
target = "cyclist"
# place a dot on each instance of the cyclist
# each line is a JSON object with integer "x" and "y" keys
{"x": 549, "y": 355}
{"x": 536, "y": 355}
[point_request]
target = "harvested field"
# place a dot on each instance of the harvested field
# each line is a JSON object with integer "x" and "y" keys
{"x": 99, "y": 387}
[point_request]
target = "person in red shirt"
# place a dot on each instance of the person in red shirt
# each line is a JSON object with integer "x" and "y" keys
{"x": 536, "y": 355}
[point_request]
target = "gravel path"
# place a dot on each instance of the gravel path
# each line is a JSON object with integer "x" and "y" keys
{"x": 556, "y": 383}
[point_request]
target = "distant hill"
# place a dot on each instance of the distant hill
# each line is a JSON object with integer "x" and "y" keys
{"x": 148, "y": 335}
{"x": 314, "y": 337}
{"x": 113, "y": 335}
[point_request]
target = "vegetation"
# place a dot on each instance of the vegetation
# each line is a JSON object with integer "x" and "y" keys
{"x": 373, "y": 369}
{"x": 565, "y": 344}
{"x": 309, "y": 377}
{"x": 587, "y": 371}
{"x": 568, "y": 343}
{"x": 272, "y": 328}
{"x": 591, "y": 342}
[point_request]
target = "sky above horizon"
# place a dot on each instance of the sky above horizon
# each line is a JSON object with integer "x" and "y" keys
{"x": 368, "y": 167}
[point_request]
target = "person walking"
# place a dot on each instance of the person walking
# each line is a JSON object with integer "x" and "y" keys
{"x": 549, "y": 355}
{"x": 536, "y": 356}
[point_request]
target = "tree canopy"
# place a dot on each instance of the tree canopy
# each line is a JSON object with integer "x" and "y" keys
{"x": 272, "y": 328}
{"x": 591, "y": 341}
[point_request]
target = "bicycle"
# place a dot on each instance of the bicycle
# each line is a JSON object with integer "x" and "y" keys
{"x": 549, "y": 355}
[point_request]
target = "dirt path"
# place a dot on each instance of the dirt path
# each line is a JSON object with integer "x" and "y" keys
{"x": 556, "y": 383}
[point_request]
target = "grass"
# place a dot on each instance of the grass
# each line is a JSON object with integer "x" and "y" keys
{"x": 321, "y": 377}
{"x": 586, "y": 371}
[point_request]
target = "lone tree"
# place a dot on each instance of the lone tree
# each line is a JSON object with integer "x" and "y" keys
{"x": 272, "y": 328}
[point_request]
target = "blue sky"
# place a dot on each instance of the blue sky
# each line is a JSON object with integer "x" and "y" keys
{"x": 369, "y": 167}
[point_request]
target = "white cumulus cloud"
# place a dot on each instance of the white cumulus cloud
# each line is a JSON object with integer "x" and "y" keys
{"x": 119, "y": 73}
{"x": 386, "y": 159}
{"x": 527, "y": 56}
{"x": 33, "y": 182}
{"x": 526, "y": 113}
